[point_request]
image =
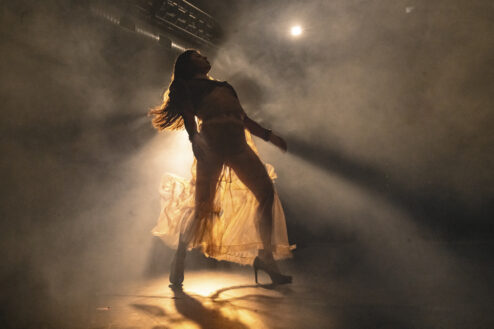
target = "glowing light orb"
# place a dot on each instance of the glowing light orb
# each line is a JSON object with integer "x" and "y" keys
{"x": 296, "y": 30}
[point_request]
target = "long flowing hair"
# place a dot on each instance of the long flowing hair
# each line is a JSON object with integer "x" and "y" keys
{"x": 168, "y": 115}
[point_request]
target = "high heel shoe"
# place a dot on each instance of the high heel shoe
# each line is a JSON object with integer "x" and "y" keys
{"x": 177, "y": 268}
{"x": 177, "y": 272}
{"x": 271, "y": 269}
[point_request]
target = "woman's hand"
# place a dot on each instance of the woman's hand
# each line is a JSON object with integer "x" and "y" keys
{"x": 278, "y": 141}
{"x": 200, "y": 147}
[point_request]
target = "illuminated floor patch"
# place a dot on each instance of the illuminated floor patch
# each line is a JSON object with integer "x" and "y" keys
{"x": 208, "y": 300}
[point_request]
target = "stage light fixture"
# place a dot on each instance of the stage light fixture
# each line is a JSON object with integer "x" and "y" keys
{"x": 176, "y": 24}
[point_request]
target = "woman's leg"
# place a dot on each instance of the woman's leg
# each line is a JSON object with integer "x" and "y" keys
{"x": 207, "y": 175}
{"x": 254, "y": 175}
{"x": 252, "y": 172}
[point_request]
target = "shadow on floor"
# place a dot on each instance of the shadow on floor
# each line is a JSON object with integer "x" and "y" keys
{"x": 206, "y": 318}
{"x": 192, "y": 307}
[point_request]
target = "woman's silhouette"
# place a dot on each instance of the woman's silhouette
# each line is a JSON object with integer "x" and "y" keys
{"x": 224, "y": 221}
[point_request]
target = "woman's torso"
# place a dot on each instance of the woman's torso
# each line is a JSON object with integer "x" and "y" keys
{"x": 213, "y": 99}
{"x": 216, "y": 104}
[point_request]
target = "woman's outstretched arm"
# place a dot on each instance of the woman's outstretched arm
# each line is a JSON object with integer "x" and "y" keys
{"x": 266, "y": 134}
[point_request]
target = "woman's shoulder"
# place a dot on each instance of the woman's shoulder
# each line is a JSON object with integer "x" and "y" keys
{"x": 204, "y": 80}
{"x": 202, "y": 86}
{"x": 207, "y": 84}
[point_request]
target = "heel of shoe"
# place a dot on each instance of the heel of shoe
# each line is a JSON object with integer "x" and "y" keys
{"x": 256, "y": 268}
{"x": 272, "y": 270}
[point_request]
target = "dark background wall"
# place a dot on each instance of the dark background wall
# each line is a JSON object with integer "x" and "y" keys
{"x": 387, "y": 111}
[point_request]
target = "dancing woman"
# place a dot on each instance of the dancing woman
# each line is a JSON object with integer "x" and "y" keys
{"x": 222, "y": 230}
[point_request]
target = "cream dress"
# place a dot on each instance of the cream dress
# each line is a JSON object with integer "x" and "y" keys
{"x": 231, "y": 230}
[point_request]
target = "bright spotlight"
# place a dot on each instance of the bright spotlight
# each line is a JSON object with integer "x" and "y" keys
{"x": 296, "y": 30}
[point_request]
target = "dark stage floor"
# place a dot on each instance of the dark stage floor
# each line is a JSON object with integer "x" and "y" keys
{"x": 342, "y": 289}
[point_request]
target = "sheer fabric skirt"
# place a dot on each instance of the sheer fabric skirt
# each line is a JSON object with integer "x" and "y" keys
{"x": 215, "y": 210}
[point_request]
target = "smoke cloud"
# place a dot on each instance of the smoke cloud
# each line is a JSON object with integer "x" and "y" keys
{"x": 386, "y": 106}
